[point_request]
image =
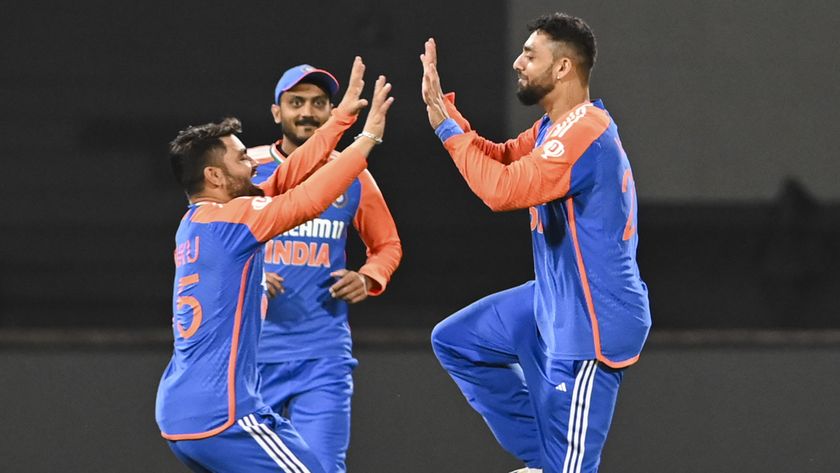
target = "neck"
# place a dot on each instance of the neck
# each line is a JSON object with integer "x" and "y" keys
{"x": 217, "y": 196}
{"x": 564, "y": 98}
{"x": 287, "y": 147}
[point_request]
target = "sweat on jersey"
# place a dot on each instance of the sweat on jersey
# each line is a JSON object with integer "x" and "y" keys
{"x": 575, "y": 179}
{"x": 305, "y": 321}
{"x": 212, "y": 377}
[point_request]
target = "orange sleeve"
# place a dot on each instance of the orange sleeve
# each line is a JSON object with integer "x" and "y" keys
{"x": 267, "y": 217}
{"x": 542, "y": 175}
{"x": 309, "y": 156}
{"x": 377, "y": 229}
{"x": 506, "y": 152}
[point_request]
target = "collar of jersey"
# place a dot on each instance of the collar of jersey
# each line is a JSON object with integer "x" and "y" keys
{"x": 276, "y": 153}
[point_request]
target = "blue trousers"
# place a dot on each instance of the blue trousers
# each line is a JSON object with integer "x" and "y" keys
{"x": 315, "y": 396}
{"x": 258, "y": 442}
{"x": 551, "y": 414}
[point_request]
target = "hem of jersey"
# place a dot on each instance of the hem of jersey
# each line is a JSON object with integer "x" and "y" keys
{"x": 593, "y": 356}
{"x": 619, "y": 364}
{"x": 200, "y": 435}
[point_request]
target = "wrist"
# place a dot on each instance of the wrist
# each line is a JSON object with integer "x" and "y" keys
{"x": 377, "y": 140}
{"x": 343, "y": 117}
{"x": 447, "y": 129}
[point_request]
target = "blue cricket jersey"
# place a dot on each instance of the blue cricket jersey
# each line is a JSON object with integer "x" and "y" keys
{"x": 305, "y": 321}
{"x": 576, "y": 180}
{"x": 217, "y": 297}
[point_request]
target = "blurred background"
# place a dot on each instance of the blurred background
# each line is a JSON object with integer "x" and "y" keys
{"x": 729, "y": 112}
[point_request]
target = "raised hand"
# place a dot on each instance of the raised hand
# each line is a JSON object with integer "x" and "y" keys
{"x": 351, "y": 104}
{"x": 375, "y": 123}
{"x": 431, "y": 89}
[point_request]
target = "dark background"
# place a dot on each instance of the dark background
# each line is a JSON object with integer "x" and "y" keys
{"x": 729, "y": 237}
{"x": 728, "y": 111}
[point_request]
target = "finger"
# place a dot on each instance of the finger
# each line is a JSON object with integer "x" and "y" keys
{"x": 429, "y": 46}
{"x": 386, "y": 106}
{"x": 358, "y": 298}
{"x": 377, "y": 92}
{"x": 382, "y": 96}
{"x": 355, "y": 297}
{"x": 348, "y": 290}
{"x": 356, "y": 72}
{"x": 338, "y": 273}
{"x": 346, "y": 279}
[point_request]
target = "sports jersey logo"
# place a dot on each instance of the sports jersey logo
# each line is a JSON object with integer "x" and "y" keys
{"x": 341, "y": 201}
{"x": 259, "y": 203}
{"x": 553, "y": 149}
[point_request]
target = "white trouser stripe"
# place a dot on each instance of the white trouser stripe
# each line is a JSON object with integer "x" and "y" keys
{"x": 296, "y": 463}
{"x": 582, "y": 408}
{"x": 260, "y": 430}
{"x": 256, "y": 436}
{"x": 586, "y": 417}
{"x": 571, "y": 430}
{"x": 579, "y": 411}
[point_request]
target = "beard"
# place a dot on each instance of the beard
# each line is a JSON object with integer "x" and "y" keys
{"x": 243, "y": 188}
{"x": 534, "y": 91}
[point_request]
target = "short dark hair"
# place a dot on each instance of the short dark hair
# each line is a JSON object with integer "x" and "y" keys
{"x": 195, "y": 148}
{"x": 571, "y": 30}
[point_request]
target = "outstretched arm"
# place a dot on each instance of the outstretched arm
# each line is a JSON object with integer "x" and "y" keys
{"x": 267, "y": 217}
{"x": 543, "y": 175}
{"x": 446, "y": 119}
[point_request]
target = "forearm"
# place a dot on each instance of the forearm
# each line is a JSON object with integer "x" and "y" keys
{"x": 312, "y": 197}
{"x": 308, "y": 157}
{"x": 506, "y": 152}
{"x": 501, "y": 187}
{"x": 381, "y": 263}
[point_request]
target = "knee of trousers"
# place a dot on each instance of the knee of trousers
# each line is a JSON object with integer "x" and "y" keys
{"x": 445, "y": 338}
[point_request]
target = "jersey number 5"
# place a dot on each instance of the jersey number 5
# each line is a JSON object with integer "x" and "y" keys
{"x": 190, "y": 301}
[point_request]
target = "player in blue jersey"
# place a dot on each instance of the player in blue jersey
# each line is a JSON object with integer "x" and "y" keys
{"x": 542, "y": 362}
{"x": 208, "y": 405}
{"x": 305, "y": 354}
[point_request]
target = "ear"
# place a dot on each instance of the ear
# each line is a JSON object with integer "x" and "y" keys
{"x": 213, "y": 177}
{"x": 562, "y": 68}
{"x": 275, "y": 112}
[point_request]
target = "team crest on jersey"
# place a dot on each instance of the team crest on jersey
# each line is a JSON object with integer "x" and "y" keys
{"x": 341, "y": 201}
{"x": 553, "y": 149}
{"x": 259, "y": 203}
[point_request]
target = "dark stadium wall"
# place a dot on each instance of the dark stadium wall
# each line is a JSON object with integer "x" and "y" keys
{"x": 705, "y": 96}
{"x": 99, "y": 89}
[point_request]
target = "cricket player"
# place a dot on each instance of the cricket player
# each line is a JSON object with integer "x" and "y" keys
{"x": 305, "y": 355}
{"x": 542, "y": 362}
{"x": 208, "y": 406}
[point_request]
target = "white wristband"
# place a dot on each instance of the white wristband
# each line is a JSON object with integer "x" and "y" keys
{"x": 370, "y": 135}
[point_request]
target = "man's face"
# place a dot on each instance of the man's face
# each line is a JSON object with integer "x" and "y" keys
{"x": 302, "y": 109}
{"x": 534, "y": 68}
{"x": 238, "y": 169}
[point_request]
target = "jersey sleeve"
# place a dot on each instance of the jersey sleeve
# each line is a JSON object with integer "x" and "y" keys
{"x": 543, "y": 175}
{"x": 378, "y": 231}
{"x": 267, "y": 217}
{"x": 309, "y": 156}
{"x": 506, "y": 152}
